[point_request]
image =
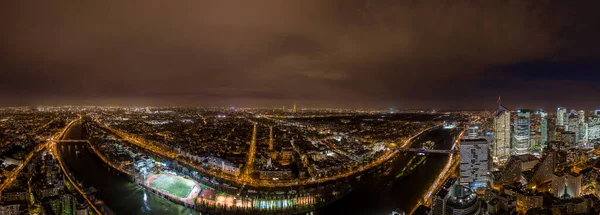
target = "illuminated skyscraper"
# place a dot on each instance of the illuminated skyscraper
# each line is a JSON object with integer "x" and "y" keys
{"x": 544, "y": 127}
{"x": 561, "y": 114}
{"x": 593, "y": 129}
{"x": 583, "y": 127}
{"x": 294, "y": 108}
{"x": 474, "y": 161}
{"x": 501, "y": 149}
{"x": 522, "y": 132}
{"x": 573, "y": 125}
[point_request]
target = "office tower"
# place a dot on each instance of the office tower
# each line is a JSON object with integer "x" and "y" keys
{"x": 551, "y": 132}
{"x": 581, "y": 115}
{"x": 597, "y": 112}
{"x": 474, "y": 162}
{"x": 522, "y": 132}
{"x": 583, "y": 132}
{"x": 593, "y": 128}
{"x": 501, "y": 149}
{"x": 573, "y": 125}
{"x": 294, "y": 110}
{"x": 544, "y": 127}
{"x": 560, "y": 116}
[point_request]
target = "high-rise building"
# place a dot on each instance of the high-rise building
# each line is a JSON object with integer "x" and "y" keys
{"x": 581, "y": 115}
{"x": 544, "y": 127}
{"x": 294, "y": 110}
{"x": 474, "y": 163}
{"x": 583, "y": 132}
{"x": 501, "y": 149}
{"x": 561, "y": 114}
{"x": 522, "y": 132}
{"x": 593, "y": 128}
{"x": 573, "y": 125}
{"x": 569, "y": 138}
{"x": 551, "y": 133}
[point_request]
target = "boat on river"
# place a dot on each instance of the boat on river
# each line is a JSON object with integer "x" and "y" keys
{"x": 411, "y": 166}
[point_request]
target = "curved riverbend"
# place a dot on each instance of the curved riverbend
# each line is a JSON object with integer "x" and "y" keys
{"x": 125, "y": 197}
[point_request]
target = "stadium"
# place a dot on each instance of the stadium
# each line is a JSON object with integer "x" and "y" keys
{"x": 174, "y": 186}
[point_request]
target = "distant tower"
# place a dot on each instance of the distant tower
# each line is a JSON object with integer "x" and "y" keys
{"x": 294, "y": 108}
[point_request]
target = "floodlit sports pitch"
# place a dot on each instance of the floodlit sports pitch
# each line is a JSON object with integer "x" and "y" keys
{"x": 174, "y": 186}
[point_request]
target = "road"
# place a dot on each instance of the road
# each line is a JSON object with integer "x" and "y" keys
{"x": 251, "y": 154}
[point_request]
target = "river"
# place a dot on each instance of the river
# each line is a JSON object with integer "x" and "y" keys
{"x": 122, "y": 196}
{"x": 375, "y": 194}
{"x": 380, "y": 195}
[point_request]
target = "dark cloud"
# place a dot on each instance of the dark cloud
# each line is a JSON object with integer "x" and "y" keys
{"x": 268, "y": 53}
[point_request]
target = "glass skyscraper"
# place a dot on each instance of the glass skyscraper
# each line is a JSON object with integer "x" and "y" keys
{"x": 561, "y": 114}
{"x": 522, "y": 132}
{"x": 573, "y": 125}
{"x": 544, "y": 127}
{"x": 501, "y": 149}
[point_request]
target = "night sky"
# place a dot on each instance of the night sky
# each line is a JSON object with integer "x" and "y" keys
{"x": 316, "y": 53}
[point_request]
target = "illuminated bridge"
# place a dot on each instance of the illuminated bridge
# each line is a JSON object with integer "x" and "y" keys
{"x": 429, "y": 151}
{"x": 71, "y": 141}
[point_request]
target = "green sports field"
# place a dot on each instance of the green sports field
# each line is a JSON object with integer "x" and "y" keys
{"x": 173, "y": 185}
